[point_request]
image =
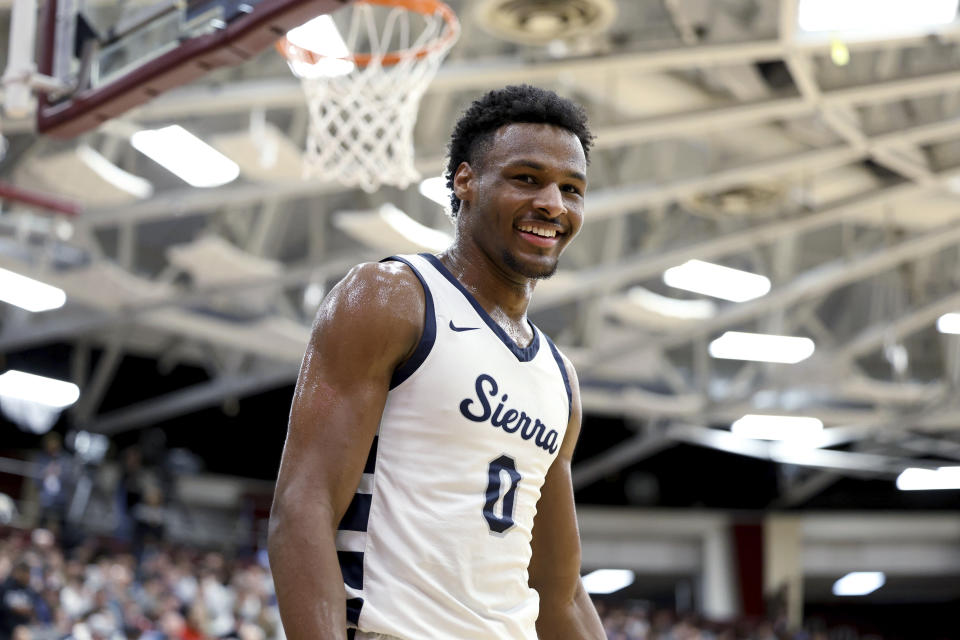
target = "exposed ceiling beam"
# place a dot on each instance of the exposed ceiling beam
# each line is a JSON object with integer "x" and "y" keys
{"x": 202, "y": 99}
{"x": 67, "y": 323}
{"x": 193, "y": 398}
{"x": 80, "y": 321}
{"x": 602, "y": 203}
{"x": 875, "y": 336}
{"x": 617, "y": 457}
{"x": 786, "y": 453}
{"x": 607, "y": 278}
{"x": 824, "y": 279}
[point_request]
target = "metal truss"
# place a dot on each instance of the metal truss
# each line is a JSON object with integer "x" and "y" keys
{"x": 648, "y": 166}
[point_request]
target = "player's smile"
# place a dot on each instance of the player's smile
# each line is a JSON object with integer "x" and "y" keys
{"x": 539, "y": 234}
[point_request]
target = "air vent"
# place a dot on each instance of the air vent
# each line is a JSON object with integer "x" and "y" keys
{"x": 753, "y": 200}
{"x": 542, "y": 21}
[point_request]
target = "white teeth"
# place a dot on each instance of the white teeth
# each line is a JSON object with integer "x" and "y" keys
{"x": 546, "y": 233}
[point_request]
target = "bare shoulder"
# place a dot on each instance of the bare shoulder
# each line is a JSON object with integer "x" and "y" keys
{"x": 376, "y": 302}
{"x": 375, "y": 287}
{"x": 378, "y": 283}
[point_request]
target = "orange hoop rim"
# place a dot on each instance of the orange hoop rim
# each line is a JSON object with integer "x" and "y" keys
{"x": 296, "y": 53}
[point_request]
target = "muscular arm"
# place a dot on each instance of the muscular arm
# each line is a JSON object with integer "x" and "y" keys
{"x": 370, "y": 323}
{"x": 566, "y": 611}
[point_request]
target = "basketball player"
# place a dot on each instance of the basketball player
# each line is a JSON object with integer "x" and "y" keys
{"x": 426, "y": 470}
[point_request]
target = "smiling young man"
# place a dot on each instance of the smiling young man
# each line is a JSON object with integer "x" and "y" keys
{"x": 424, "y": 491}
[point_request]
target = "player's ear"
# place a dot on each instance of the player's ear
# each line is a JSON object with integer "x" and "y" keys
{"x": 464, "y": 182}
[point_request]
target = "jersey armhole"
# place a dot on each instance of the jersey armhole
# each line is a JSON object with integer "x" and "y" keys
{"x": 428, "y": 337}
{"x": 563, "y": 372}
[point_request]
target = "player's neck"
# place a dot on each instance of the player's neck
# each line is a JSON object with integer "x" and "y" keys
{"x": 497, "y": 290}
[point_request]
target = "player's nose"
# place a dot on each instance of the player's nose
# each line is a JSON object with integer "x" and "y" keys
{"x": 549, "y": 200}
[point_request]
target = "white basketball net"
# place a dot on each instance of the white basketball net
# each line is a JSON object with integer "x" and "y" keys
{"x": 361, "y": 123}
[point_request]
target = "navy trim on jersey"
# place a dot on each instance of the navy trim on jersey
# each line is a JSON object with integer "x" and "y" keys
{"x": 351, "y": 566}
{"x": 523, "y": 354}
{"x": 429, "y": 336}
{"x": 371, "y": 464}
{"x": 563, "y": 372}
{"x": 354, "y": 605}
{"x": 358, "y": 513}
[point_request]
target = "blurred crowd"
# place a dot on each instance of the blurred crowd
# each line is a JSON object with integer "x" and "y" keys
{"x": 132, "y": 583}
{"x": 625, "y": 621}
{"x": 89, "y": 592}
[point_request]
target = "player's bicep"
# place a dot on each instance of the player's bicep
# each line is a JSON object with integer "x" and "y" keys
{"x": 367, "y": 326}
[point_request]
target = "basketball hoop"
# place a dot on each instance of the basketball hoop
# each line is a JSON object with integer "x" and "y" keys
{"x": 363, "y": 91}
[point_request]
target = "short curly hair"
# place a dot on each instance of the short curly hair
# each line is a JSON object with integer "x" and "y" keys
{"x": 474, "y": 131}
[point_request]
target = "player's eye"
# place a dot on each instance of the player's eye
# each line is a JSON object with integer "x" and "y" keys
{"x": 570, "y": 188}
{"x": 525, "y": 177}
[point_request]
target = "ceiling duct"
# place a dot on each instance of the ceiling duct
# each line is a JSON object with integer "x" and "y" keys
{"x": 758, "y": 200}
{"x": 542, "y": 21}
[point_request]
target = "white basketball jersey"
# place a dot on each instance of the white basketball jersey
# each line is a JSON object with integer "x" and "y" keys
{"x": 436, "y": 543}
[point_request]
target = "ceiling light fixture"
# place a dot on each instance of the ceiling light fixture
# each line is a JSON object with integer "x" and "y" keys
{"x": 717, "y": 281}
{"x": 671, "y": 307}
{"x": 40, "y": 390}
{"x": 839, "y": 53}
{"x": 608, "y": 580}
{"x": 114, "y": 175}
{"x": 185, "y": 155}
{"x": 859, "y": 583}
{"x": 759, "y": 347}
{"x": 436, "y": 189}
{"x": 949, "y": 323}
{"x": 916, "y": 479}
{"x": 874, "y": 15}
{"x": 28, "y": 293}
{"x": 785, "y": 428}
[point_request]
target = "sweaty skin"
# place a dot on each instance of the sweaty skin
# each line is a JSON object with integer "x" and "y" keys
{"x": 365, "y": 328}
{"x": 529, "y": 184}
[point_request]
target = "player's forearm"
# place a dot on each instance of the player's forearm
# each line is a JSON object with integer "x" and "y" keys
{"x": 309, "y": 585}
{"x": 575, "y": 619}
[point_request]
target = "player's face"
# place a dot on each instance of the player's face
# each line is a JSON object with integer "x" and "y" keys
{"x": 527, "y": 197}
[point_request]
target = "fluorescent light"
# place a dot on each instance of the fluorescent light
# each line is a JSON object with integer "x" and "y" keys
{"x": 949, "y": 323}
{"x": 736, "y": 345}
{"x": 874, "y": 15}
{"x": 436, "y": 189}
{"x": 412, "y": 230}
{"x": 789, "y": 428}
{"x": 839, "y": 53}
{"x": 186, "y": 156}
{"x": 608, "y": 580}
{"x": 717, "y": 281}
{"x": 38, "y": 389}
{"x": 916, "y": 479}
{"x": 390, "y": 229}
{"x": 28, "y": 293}
{"x": 683, "y": 309}
{"x": 859, "y": 583}
{"x": 320, "y": 36}
{"x": 114, "y": 175}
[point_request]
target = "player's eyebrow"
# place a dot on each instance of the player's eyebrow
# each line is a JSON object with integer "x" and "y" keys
{"x": 533, "y": 164}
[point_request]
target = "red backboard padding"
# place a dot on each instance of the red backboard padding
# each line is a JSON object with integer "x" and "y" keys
{"x": 243, "y": 38}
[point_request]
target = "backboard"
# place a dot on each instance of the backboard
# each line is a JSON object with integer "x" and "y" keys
{"x": 110, "y": 57}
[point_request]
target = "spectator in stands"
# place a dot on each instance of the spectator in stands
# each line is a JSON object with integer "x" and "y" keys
{"x": 56, "y": 478}
{"x": 18, "y": 600}
{"x": 149, "y": 517}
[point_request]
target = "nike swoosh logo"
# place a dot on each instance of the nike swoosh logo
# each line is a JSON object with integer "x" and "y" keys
{"x": 455, "y": 328}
